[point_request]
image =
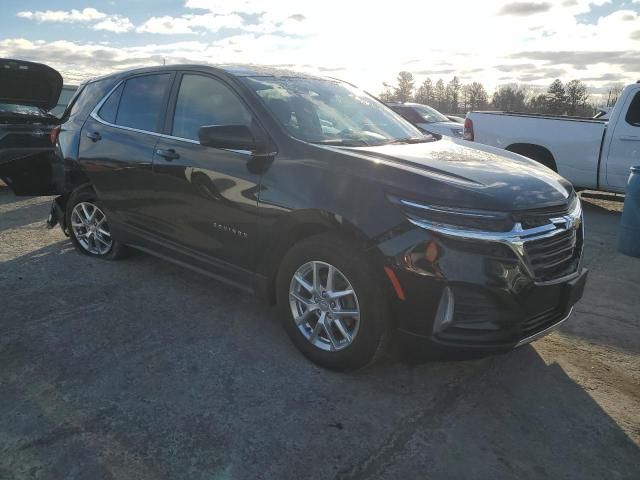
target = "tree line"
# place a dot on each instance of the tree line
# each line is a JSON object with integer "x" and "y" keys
{"x": 454, "y": 97}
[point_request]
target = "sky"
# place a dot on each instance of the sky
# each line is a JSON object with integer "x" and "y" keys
{"x": 363, "y": 42}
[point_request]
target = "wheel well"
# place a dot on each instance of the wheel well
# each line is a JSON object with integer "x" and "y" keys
{"x": 535, "y": 152}
{"x": 295, "y": 234}
{"x": 63, "y": 200}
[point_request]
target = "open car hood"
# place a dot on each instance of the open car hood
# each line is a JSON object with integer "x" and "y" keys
{"x": 28, "y": 83}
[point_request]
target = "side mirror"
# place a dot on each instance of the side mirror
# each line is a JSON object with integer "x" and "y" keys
{"x": 233, "y": 137}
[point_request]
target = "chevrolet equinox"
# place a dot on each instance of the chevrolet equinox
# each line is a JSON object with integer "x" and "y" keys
{"x": 315, "y": 196}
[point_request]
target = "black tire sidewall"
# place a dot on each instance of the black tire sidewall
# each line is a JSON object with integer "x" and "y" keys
{"x": 373, "y": 331}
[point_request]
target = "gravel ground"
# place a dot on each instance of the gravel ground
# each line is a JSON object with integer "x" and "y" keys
{"x": 142, "y": 370}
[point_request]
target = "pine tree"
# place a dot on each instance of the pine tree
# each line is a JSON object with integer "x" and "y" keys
{"x": 404, "y": 91}
{"x": 425, "y": 92}
{"x": 439, "y": 96}
{"x": 453, "y": 95}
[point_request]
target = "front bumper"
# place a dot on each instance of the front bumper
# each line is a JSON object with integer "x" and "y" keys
{"x": 496, "y": 302}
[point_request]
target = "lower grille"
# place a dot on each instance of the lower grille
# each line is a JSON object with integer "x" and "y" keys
{"x": 540, "y": 321}
{"x": 554, "y": 256}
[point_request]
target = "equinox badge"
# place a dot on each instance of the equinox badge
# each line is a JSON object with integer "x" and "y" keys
{"x": 228, "y": 229}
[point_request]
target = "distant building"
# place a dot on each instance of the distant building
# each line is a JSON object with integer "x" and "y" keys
{"x": 65, "y": 97}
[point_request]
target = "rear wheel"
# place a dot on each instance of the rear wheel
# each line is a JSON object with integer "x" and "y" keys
{"x": 89, "y": 228}
{"x": 332, "y": 306}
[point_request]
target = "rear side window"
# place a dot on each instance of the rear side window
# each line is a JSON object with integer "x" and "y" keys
{"x": 206, "y": 101}
{"x": 109, "y": 108}
{"x": 409, "y": 114}
{"x": 142, "y": 102}
{"x": 633, "y": 114}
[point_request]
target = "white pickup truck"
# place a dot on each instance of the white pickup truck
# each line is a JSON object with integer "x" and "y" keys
{"x": 590, "y": 153}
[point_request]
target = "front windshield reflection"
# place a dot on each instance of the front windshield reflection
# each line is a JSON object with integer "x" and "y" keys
{"x": 331, "y": 113}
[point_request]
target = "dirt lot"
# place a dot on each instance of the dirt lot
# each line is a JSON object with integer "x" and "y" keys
{"x": 141, "y": 370}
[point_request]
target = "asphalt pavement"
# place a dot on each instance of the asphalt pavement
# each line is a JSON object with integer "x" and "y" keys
{"x": 139, "y": 369}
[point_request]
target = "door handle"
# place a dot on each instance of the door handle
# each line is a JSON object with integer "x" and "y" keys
{"x": 169, "y": 154}
{"x": 630, "y": 138}
{"x": 94, "y": 136}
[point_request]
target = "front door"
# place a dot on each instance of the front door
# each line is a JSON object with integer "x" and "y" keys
{"x": 206, "y": 198}
{"x": 624, "y": 149}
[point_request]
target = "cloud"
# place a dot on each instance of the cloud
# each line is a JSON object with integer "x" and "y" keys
{"x": 116, "y": 24}
{"x": 189, "y": 24}
{"x": 606, "y": 77}
{"x": 273, "y": 32}
{"x": 516, "y": 67}
{"x": 100, "y": 20}
{"x": 579, "y": 60}
{"x": 545, "y": 74}
{"x": 635, "y": 35}
{"x": 66, "y": 16}
{"x": 442, "y": 71}
{"x": 526, "y": 8}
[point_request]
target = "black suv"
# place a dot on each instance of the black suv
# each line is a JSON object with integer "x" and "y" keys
{"x": 321, "y": 199}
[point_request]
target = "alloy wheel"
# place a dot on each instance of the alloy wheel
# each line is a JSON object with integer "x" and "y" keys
{"x": 90, "y": 228}
{"x": 324, "y": 306}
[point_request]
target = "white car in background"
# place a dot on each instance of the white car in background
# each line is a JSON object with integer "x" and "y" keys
{"x": 428, "y": 119}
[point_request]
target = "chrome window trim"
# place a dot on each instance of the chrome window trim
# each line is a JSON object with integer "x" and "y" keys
{"x": 96, "y": 117}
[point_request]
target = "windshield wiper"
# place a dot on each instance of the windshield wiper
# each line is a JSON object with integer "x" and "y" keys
{"x": 408, "y": 140}
{"x": 344, "y": 142}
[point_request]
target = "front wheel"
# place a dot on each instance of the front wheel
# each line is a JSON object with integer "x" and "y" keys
{"x": 332, "y": 304}
{"x": 89, "y": 228}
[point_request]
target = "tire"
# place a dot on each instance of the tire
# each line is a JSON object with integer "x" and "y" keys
{"x": 89, "y": 229}
{"x": 343, "y": 342}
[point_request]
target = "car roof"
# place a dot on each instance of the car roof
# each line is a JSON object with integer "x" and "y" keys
{"x": 405, "y": 104}
{"x": 235, "y": 70}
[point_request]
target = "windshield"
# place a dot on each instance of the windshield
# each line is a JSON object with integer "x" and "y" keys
{"x": 331, "y": 113}
{"x": 428, "y": 114}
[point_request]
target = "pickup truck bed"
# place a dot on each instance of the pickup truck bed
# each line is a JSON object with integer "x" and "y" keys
{"x": 591, "y": 153}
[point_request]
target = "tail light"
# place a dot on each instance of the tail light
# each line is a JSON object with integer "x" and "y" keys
{"x": 53, "y": 135}
{"x": 468, "y": 129}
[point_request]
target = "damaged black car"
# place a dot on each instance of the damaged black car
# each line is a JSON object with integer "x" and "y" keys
{"x": 307, "y": 192}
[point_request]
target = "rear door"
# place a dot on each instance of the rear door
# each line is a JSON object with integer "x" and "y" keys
{"x": 117, "y": 144}
{"x": 624, "y": 149}
{"x": 206, "y": 197}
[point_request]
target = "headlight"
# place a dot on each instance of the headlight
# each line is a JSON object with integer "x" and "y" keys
{"x": 438, "y": 217}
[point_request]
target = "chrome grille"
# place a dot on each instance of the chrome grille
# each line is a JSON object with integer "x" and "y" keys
{"x": 554, "y": 256}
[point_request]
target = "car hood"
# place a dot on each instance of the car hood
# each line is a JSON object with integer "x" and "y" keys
{"x": 451, "y": 172}
{"x": 442, "y": 128}
{"x": 28, "y": 83}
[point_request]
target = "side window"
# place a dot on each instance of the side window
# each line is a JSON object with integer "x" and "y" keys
{"x": 409, "y": 114}
{"x": 633, "y": 114}
{"x": 142, "y": 102}
{"x": 206, "y": 101}
{"x": 109, "y": 108}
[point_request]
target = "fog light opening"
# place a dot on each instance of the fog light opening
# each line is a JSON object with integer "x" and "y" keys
{"x": 444, "y": 315}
